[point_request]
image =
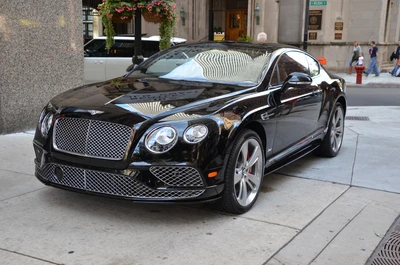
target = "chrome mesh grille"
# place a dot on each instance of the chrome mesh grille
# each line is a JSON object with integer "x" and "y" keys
{"x": 92, "y": 138}
{"x": 112, "y": 184}
{"x": 178, "y": 176}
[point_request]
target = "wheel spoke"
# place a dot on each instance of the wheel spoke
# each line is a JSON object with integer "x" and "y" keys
{"x": 253, "y": 159}
{"x": 242, "y": 196}
{"x": 334, "y": 119}
{"x": 253, "y": 181}
{"x": 238, "y": 176}
{"x": 335, "y": 144}
{"x": 339, "y": 129}
{"x": 244, "y": 151}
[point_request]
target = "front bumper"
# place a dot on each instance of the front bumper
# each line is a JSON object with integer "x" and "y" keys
{"x": 151, "y": 184}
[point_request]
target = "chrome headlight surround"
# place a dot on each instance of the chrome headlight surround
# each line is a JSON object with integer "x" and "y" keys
{"x": 161, "y": 139}
{"x": 195, "y": 134}
{"x": 46, "y": 120}
{"x": 46, "y": 124}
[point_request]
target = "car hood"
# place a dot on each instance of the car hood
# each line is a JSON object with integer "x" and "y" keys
{"x": 131, "y": 101}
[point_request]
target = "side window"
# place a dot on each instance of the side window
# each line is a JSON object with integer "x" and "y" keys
{"x": 150, "y": 48}
{"x": 298, "y": 63}
{"x": 275, "y": 77}
{"x": 122, "y": 48}
{"x": 313, "y": 65}
{"x": 95, "y": 48}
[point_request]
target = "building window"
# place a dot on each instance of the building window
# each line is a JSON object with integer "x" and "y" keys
{"x": 87, "y": 17}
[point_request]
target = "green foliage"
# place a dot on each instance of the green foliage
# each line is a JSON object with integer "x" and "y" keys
{"x": 245, "y": 38}
{"x": 124, "y": 11}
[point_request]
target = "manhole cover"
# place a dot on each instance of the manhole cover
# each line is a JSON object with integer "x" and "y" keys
{"x": 388, "y": 250}
{"x": 357, "y": 118}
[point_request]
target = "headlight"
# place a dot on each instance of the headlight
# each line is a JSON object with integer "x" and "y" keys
{"x": 195, "y": 134}
{"x": 46, "y": 124}
{"x": 42, "y": 116}
{"x": 161, "y": 140}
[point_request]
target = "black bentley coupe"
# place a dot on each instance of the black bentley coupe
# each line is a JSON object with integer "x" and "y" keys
{"x": 198, "y": 122}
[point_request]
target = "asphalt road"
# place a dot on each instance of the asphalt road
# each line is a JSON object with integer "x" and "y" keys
{"x": 373, "y": 96}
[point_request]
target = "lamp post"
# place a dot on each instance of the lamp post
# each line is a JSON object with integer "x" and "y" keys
{"x": 211, "y": 21}
{"x": 182, "y": 14}
{"x": 257, "y": 14}
{"x": 138, "y": 57}
{"x": 307, "y": 11}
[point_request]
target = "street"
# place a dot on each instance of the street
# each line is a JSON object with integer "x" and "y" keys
{"x": 373, "y": 96}
{"x": 316, "y": 210}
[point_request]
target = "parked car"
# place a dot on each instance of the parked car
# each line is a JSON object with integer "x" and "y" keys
{"x": 195, "y": 123}
{"x": 101, "y": 65}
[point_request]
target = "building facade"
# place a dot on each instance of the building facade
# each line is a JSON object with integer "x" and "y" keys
{"x": 42, "y": 41}
{"x": 332, "y": 28}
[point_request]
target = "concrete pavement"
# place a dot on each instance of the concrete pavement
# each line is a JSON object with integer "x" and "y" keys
{"x": 314, "y": 211}
{"x": 384, "y": 80}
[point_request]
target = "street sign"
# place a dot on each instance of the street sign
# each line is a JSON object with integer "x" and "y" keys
{"x": 318, "y": 3}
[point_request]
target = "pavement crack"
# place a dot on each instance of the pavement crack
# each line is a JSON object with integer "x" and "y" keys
{"x": 21, "y": 173}
{"x": 307, "y": 225}
{"x": 29, "y": 256}
{"x": 280, "y": 262}
{"x": 19, "y": 195}
{"x": 333, "y": 238}
{"x": 354, "y": 161}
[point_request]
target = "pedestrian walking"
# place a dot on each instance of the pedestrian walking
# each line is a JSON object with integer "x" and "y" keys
{"x": 354, "y": 58}
{"x": 396, "y": 55}
{"x": 360, "y": 61}
{"x": 373, "y": 64}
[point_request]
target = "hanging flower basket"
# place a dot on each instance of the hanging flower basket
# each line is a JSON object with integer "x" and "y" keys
{"x": 121, "y": 19}
{"x": 123, "y": 11}
{"x": 151, "y": 17}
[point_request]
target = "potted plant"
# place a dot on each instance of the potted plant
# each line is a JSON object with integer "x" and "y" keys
{"x": 156, "y": 11}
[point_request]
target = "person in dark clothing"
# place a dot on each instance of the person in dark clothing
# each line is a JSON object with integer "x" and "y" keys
{"x": 397, "y": 56}
{"x": 373, "y": 64}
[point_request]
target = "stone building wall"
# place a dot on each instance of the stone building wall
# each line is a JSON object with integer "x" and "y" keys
{"x": 41, "y": 55}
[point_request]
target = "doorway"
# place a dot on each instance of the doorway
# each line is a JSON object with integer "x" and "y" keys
{"x": 236, "y": 24}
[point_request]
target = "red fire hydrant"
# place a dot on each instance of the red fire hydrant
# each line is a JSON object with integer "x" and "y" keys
{"x": 359, "y": 70}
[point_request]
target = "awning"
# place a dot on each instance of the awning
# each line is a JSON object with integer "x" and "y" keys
{"x": 91, "y": 3}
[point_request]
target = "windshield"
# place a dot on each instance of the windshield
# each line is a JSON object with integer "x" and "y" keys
{"x": 217, "y": 63}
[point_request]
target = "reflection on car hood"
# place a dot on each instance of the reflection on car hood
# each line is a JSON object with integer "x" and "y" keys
{"x": 149, "y": 98}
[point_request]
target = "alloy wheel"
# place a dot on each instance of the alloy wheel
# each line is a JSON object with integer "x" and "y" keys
{"x": 248, "y": 172}
{"x": 337, "y": 129}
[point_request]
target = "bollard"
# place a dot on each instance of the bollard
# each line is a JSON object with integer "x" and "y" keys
{"x": 359, "y": 70}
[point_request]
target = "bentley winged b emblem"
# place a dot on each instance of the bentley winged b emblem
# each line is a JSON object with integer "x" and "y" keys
{"x": 95, "y": 112}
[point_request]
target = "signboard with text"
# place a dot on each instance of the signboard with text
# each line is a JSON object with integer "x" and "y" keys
{"x": 338, "y": 25}
{"x": 338, "y": 36}
{"x": 318, "y": 3}
{"x": 312, "y": 35}
{"x": 314, "y": 19}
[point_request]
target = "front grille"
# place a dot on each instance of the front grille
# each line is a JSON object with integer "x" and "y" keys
{"x": 111, "y": 184}
{"x": 178, "y": 176}
{"x": 92, "y": 138}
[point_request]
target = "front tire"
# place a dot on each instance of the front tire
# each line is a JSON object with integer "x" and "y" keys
{"x": 332, "y": 142}
{"x": 244, "y": 173}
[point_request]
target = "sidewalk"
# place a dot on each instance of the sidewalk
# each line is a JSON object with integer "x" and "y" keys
{"x": 316, "y": 211}
{"x": 384, "y": 80}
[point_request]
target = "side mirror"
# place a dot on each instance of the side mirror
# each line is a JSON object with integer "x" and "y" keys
{"x": 296, "y": 79}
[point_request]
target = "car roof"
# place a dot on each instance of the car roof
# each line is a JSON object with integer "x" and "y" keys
{"x": 151, "y": 38}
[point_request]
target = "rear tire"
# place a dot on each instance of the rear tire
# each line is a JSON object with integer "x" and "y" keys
{"x": 333, "y": 139}
{"x": 244, "y": 173}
